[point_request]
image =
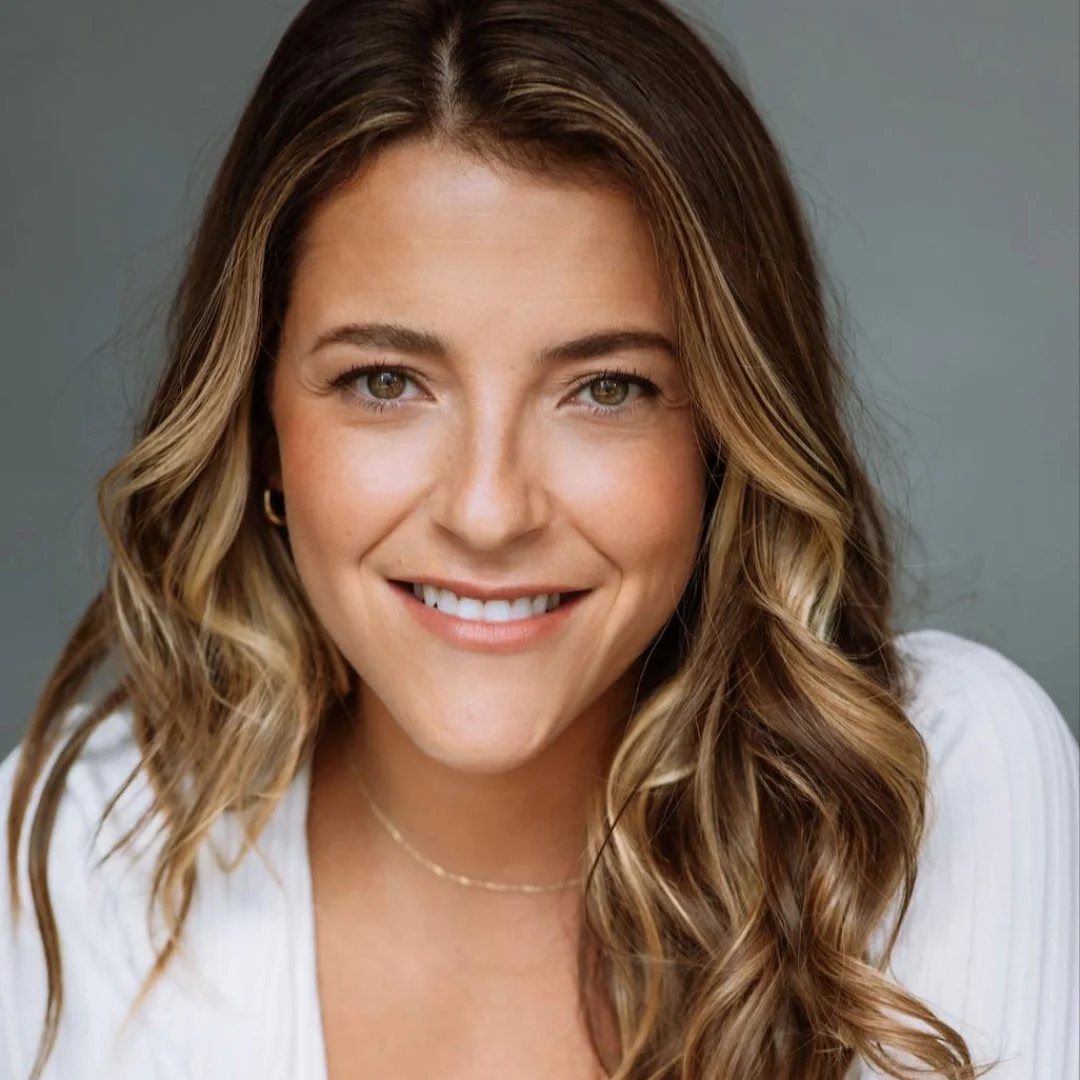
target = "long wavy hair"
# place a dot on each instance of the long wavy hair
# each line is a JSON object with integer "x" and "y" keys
{"x": 763, "y": 812}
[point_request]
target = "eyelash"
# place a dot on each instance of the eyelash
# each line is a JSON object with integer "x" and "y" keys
{"x": 649, "y": 389}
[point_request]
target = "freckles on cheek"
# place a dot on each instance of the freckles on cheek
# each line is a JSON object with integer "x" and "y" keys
{"x": 345, "y": 486}
{"x": 642, "y": 506}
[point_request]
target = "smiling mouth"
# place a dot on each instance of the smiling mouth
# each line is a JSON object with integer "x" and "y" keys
{"x": 488, "y": 611}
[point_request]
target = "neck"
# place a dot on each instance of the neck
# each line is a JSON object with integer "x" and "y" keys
{"x": 523, "y": 826}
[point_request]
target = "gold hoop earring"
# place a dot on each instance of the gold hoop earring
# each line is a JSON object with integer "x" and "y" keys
{"x": 268, "y": 508}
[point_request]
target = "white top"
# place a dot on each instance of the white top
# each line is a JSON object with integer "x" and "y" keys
{"x": 991, "y": 941}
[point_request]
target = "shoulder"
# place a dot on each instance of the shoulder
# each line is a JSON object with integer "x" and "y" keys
{"x": 962, "y": 687}
{"x": 108, "y": 758}
{"x": 237, "y": 949}
{"x": 89, "y": 916}
{"x": 993, "y": 734}
{"x": 991, "y": 939}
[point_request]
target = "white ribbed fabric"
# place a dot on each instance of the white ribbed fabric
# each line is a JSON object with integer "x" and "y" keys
{"x": 991, "y": 942}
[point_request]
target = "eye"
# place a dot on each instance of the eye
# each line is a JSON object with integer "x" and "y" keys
{"x": 380, "y": 387}
{"x": 610, "y": 390}
{"x": 384, "y": 384}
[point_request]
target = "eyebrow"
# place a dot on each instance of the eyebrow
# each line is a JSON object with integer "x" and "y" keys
{"x": 407, "y": 340}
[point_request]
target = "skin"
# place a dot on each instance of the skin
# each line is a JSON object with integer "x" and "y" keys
{"x": 490, "y": 468}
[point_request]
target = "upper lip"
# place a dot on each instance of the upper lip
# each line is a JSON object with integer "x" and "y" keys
{"x": 478, "y": 591}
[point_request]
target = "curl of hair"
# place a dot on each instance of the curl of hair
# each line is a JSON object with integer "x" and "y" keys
{"x": 765, "y": 804}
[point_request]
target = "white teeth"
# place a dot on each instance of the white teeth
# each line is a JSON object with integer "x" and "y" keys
{"x": 464, "y": 607}
{"x": 521, "y": 608}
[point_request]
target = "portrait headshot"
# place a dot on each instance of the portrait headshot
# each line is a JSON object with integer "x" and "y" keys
{"x": 544, "y": 541}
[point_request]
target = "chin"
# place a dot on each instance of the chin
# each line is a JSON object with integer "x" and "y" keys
{"x": 478, "y": 760}
{"x": 477, "y": 736}
{"x": 482, "y": 742}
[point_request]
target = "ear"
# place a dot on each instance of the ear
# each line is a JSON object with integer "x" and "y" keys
{"x": 267, "y": 459}
{"x": 272, "y": 468}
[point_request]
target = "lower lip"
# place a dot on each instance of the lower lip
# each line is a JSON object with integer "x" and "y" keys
{"x": 488, "y": 636}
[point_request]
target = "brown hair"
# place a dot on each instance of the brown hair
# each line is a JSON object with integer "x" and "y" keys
{"x": 765, "y": 806}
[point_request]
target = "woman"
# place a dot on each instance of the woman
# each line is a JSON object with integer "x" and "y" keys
{"x": 496, "y": 673}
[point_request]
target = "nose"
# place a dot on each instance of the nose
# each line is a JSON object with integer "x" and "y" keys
{"x": 492, "y": 489}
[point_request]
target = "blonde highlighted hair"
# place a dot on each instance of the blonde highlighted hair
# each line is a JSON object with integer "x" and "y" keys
{"x": 765, "y": 805}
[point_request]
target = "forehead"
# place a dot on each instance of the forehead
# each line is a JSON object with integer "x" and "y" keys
{"x": 436, "y": 227}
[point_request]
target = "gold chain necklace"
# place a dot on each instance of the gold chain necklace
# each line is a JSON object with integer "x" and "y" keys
{"x": 439, "y": 871}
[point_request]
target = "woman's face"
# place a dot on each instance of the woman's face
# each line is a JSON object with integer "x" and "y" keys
{"x": 492, "y": 453}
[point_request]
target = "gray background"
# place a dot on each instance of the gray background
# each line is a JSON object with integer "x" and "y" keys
{"x": 935, "y": 142}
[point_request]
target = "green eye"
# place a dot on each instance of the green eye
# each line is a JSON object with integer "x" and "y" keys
{"x": 386, "y": 384}
{"x": 375, "y": 386}
{"x": 616, "y": 394}
{"x": 610, "y": 390}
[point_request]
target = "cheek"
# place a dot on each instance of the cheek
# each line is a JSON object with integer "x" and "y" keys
{"x": 345, "y": 487}
{"x": 637, "y": 500}
{"x": 640, "y": 504}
